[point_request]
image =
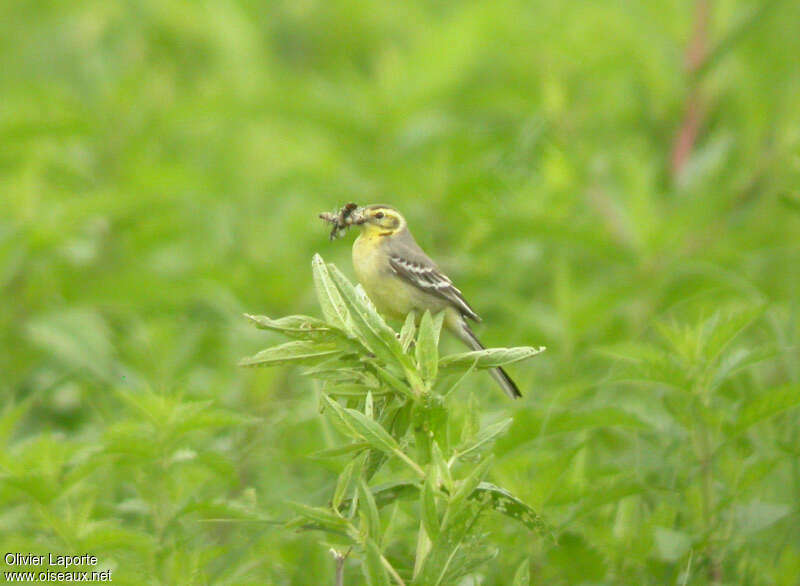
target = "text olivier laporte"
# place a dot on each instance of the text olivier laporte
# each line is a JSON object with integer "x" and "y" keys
{"x": 24, "y": 561}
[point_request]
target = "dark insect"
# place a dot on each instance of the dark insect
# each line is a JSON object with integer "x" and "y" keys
{"x": 340, "y": 220}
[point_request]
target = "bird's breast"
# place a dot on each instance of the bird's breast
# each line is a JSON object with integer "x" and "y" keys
{"x": 371, "y": 265}
{"x": 368, "y": 262}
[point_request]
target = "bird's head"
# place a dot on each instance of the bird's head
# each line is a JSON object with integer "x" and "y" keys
{"x": 379, "y": 220}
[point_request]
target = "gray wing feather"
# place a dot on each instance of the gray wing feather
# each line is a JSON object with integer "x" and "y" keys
{"x": 408, "y": 261}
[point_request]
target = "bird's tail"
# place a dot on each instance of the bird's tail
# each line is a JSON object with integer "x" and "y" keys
{"x": 466, "y": 335}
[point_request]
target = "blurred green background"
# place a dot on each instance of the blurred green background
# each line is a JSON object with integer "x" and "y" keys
{"x": 617, "y": 181}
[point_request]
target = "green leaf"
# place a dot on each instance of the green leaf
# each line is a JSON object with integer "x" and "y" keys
{"x": 340, "y": 421}
{"x": 297, "y": 326}
{"x": 374, "y": 570}
{"x": 343, "y": 483}
{"x": 192, "y": 416}
{"x": 427, "y": 349}
{"x": 393, "y": 382}
{"x": 302, "y": 352}
{"x": 339, "y": 451}
{"x": 578, "y": 561}
{"x": 408, "y": 331}
{"x": 505, "y": 503}
{"x": 439, "y": 560}
{"x": 671, "y": 545}
{"x": 80, "y": 339}
{"x": 756, "y": 515}
{"x": 370, "y": 431}
{"x": 466, "y": 487}
{"x": 322, "y": 517}
{"x": 223, "y": 511}
{"x": 346, "y": 368}
{"x": 485, "y": 436}
{"x": 497, "y": 499}
{"x": 766, "y": 406}
{"x": 380, "y": 338}
{"x": 330, "y": 300}
{"x": 602, "y": 492}
{"x": 472, "y": 421}
{"x": 442, "y": 466}
{"x": 736, "y": 360}
{"x": 386, "y": 494}
{"x": 724, "y": 327}
{"x": 352, "y": 390}
{"x": 530, "y": 424}
{"x": 11, "y": 416}
{"x": 489, "y": 358}
{"x": 522, "y": 577}
{"x": 369, "y": 406}
{"x": 430, "y": 516}
{"x": 369, "y": 510}
{"x": 462, "y": 377}
{"x": 649, "y": 364}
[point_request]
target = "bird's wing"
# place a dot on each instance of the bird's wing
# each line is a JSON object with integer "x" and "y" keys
{"x": 425, "y": 275}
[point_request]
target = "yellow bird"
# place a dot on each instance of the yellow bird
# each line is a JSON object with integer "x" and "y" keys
{"x": 400, "y": 278}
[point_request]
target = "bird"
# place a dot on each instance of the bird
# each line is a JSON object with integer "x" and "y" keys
{"x": 399, "y": 278}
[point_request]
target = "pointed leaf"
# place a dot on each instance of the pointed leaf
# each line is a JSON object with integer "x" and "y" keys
{"x": 323, "y": 517}
{"x": 297, "y": 326}
{"x": 373, "y": 567}
{"x": 369, "y": 509}
{"x": 438, "y": 562}
{"x": 724, "y": 327}
{"x": 371, "y": 326}
{"x": 359, "y": 391}
{"x": 442, "y": 467}
{"x": 386, "y": 494}
{"x": 369, "y": 406}
{"x": 757, "y": 515}
{"x": 300, "y": 352}
{"x": 393, "y": 382}
{"x": 522, "y": 577}
{"x": 466, "y": 487}
{"x": 671, "y": 545}
{"x": 343, "y": 483}
{"x": 485, "y": 436}
{"x": 427, "y": 350}
{"x": 430, "y": 516}
{"x": 340, "y": 421}
{"x": 370, "y": 431}
{"x": 408, "y": 331}
{"x": 330, "y": 300}
{"x": 505, "y": 503}
{"x": 489, "y": 358}
{"x": 497, "y": 499}
{"x": 766, "y": 406}
{"x": 339, "y": 451}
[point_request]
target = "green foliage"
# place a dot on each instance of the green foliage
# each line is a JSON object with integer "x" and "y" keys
{"x": 462, "y": 501}
{"x": 162, "y": 165}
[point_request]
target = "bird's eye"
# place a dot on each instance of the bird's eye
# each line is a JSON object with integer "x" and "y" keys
{"x": 379, "y": 215}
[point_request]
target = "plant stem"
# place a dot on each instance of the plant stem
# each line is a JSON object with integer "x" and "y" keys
{"x": 340, "y": 559}
{"x": 340, "y": 571}
{"x": 420, "y": 472}
{"x": 694, "y": 115}
{"x": 705, "y": 459}
{"x": 392, "y": 571}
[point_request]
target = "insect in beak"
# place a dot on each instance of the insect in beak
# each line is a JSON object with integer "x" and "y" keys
{"x": 358, "y": 217}
{"x": 348, "y": 216}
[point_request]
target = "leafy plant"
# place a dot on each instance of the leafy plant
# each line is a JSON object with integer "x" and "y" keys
{"x": 694, "y": 371}
{"x": 385, "y": 393}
